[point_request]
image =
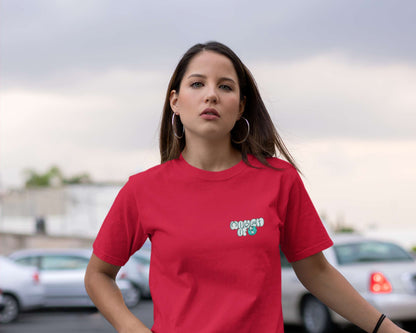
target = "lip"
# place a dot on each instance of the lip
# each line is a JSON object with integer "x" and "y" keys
{"x": 210, "y": 113}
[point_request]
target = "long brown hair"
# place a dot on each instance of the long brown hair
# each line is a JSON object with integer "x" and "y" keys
{"x": 263, "y": 139}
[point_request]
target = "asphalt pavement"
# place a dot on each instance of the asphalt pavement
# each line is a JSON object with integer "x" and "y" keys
{"x": 91, "y": 321}
{"x": 72, "y": 320}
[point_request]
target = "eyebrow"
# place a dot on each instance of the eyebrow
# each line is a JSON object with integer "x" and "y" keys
{"x": 204, "y": 77}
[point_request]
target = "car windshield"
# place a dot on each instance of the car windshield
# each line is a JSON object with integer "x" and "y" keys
{"x": 371, "y": 251}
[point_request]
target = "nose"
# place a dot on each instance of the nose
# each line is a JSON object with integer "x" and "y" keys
{"x": 211, "y": 96}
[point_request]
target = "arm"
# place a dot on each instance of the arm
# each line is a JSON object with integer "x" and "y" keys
{"x": 104, "y": 292}
{"x": 327, "y": 284}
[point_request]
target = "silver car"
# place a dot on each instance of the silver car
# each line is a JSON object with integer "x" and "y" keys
{"x": 62, "y": 274}
{"x": 382, "y": 272}
{"x": 21, "y": 290}
{"x": 137, "y": 270}
{"x": 2, "y": 305}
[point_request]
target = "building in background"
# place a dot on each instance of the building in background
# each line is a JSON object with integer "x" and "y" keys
{"x": 70, "y": 210}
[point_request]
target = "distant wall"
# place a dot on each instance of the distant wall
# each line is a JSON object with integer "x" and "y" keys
{"x": 71, "y": 210}
{"x": 10, "y": 242}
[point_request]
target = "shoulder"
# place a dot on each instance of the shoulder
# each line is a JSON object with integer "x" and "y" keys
{"x": 277, "y": 165}
{"x": 154, "y": 173}
{"x": 279, "y": 174}
{"x": 281, "y": 164}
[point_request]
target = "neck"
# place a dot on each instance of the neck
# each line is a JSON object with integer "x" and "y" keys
{"x": 211, "y": 156}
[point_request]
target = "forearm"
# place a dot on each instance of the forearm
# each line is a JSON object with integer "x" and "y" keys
{"x": 348, "y": 302}
{"x": 328, "y": 285}
{"x": 107, "y": 297}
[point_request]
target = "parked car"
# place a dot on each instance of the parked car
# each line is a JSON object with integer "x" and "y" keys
{"x": 1, "y": 300}
{"x": 137, "y": 270}
{"x": 62, "y": 274}
{"x": 20, "y": 289}
{"x": 382, "y": 272}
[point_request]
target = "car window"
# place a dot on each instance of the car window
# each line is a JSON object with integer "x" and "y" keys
{"x": 142, "y": 260}
{"x": 62, "y": 262}
{"x": 28, "y": 261}
{"x": 370, "y": 252}
{"x": 283, "y": 261}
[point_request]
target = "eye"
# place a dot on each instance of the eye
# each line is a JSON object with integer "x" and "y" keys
{"x": 196, "y": 84}
{"x": 225, "y": 87}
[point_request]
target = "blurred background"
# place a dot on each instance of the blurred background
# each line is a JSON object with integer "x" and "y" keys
{"x": 82, "y": 85}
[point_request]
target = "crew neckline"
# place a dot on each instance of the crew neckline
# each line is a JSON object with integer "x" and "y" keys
{"x": 210, "y": 175}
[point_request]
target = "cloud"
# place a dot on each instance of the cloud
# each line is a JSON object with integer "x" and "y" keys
{"x": 363, "y": 182}
{"x": 105, "y": 122}
{"x": 42, "y": 38}
{"x": 112, "y": 110}
{"x": 72, "y": 125}
{"x": 330, "y": 96}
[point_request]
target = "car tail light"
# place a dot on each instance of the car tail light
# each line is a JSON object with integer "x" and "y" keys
{"x": 379, "y": 284}
{"x": 35, "y": 277}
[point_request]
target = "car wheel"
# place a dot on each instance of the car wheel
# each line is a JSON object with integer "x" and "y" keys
{"x": 11, "y": 309}
{"x": 132, "y": 298}
{"x": 315, "y": 316}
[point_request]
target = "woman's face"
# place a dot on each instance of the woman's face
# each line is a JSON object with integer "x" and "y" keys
{"x": 208, "y": 101}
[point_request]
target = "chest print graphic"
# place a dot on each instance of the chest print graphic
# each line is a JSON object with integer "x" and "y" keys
{"x": 247, "y": 227}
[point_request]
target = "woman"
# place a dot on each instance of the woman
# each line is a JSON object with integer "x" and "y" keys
{"x": 216, "y": 211}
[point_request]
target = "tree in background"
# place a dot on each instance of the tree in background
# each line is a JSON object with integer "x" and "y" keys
{"x": 52, "y": 178}
{"x": 83, "y": 178}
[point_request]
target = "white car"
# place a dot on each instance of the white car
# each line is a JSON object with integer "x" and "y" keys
{"x": 62, "y": 274}
{"x": 382, "y": 272}
{"x": 21, "y": 290}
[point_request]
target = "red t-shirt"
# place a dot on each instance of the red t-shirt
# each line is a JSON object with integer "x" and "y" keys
{"x": 215, "y": 262}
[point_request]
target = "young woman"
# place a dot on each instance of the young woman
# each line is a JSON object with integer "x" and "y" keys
{"x": 216, "y": 211}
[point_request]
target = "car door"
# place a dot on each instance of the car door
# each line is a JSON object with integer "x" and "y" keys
{"x": 292, "y": 291}
{"x": 63, "y": 279}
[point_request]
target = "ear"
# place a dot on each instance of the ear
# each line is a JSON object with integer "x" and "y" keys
{"x": 173, "y": 98}
{"x": 242, "y": 106}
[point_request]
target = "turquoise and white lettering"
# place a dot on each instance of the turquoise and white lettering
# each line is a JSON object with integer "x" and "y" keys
{"x": 252, "y": 230}
{"x": 234, "y": 225}
{"x": 260, "y": 222}
{"x": 242, "y": 232}
{"x": 247, "y": 227}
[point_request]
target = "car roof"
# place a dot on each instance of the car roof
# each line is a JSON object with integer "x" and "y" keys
{"x": 348, "y": 238}
{"x": 51, "y": 251}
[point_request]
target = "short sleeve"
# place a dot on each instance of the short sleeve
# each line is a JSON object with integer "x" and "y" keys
{"x": 303, "y": 233}
{"x": 121, "y": 233}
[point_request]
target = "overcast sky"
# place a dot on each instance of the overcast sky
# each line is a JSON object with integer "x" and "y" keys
{"x": 82, "y": 85}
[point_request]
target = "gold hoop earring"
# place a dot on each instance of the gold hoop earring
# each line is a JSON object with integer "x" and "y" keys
{"x": 248, "y": 133}
{"x": 173, "y": 128}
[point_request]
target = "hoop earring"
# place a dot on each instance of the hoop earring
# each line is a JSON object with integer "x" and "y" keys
{"x": 173, "y": 128}
{"x": 248, "y": 133}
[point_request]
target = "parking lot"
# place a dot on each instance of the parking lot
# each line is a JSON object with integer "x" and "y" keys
{"x": 89, "y": 320}
{"x": 71, "y": 320}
